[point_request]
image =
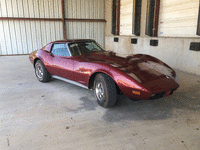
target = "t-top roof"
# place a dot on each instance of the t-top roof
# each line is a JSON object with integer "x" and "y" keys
{"x": 72, "y": 40}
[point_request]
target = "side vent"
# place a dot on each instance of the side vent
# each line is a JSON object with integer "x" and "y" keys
{"x": 195, "y": 46}
{"x": 116, "y": 39}
{"x": 154, "y": 42}
{"x": 133, "y": 41}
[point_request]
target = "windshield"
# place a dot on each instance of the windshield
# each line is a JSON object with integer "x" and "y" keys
{"x": 83, "y": 48}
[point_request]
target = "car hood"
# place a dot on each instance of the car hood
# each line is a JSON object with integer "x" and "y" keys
{"x": 143, "y": 68}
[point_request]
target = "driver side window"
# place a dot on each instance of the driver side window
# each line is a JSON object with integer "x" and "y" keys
{"x": 60, "y": 50}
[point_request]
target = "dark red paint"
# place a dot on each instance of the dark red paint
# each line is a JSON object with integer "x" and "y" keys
{"x": 140, "y": 73}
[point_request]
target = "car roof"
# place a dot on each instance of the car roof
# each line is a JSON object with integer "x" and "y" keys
{"x": 72, "y": 40}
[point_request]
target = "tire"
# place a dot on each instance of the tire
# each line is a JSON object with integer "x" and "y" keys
{"x": 105, "y": 90}
{"x": 41, "y": 72}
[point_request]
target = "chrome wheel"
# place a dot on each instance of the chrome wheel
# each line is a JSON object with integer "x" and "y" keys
{"x": 99, "y": 90}
{"x": 39, "y": 71}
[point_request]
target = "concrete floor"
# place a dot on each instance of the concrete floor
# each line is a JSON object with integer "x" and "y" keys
{"x": 58, "y": 115}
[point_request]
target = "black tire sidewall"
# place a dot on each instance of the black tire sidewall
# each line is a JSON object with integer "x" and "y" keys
{"x": 110, "y": 90}
{"x": 46, "y": 76}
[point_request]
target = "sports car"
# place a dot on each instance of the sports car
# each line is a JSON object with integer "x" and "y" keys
{"x": 87, "y": 64}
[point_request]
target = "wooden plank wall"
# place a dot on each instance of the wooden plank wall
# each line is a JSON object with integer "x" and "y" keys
{"x": 126, "y": 17}
{"x": 178, "y": 18}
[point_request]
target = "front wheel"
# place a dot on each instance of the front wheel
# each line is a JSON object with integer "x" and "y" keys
{"x": 105, "y": 90}
{"x": 41, "y": 72}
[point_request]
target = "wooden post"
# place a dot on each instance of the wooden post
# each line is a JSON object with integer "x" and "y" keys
{"x": 118, "y": 17}
{"x": 63, "y": 19}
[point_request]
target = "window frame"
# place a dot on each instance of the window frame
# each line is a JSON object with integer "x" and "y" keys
{"x": 198, "y": 22}
{"x": 97, "y": 44}
{"x": 70, "y": 55}
{"x": 115, "y": 17}
{"x": 137, "y": 8}
{"x": 152, "y": 17}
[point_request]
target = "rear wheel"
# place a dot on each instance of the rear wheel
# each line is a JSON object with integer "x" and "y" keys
{"x": 41, "y": 72}
{"x": 105, "y": 90}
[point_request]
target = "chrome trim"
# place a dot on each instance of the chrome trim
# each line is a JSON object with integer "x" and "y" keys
{"x": 62, "y": 43}
{"x": 70, "y": 81}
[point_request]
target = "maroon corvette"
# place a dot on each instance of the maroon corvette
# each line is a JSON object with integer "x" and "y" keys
{"x": 85, "y": 63}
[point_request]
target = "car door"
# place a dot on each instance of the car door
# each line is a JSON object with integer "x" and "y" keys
{"x": 82, "y": 69}
{"x": 62, "y": 61}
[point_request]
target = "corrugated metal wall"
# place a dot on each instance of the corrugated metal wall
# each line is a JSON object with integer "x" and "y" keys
{"x": 85, "y": 9}
{"x": 24, "y": 36}
{"x": 178, "y": 18}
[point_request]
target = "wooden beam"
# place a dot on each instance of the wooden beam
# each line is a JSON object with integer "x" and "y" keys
{"x": 198, "y": 24}
{"x": 53, "y": 19}
{"x": 150, "y": 17}
{"x": 85, "y": 20}
{"x": 63, "y": 19}
{"x": 31, "y": 19}
{"x": 118, "y": 17}
{"x": 137, "y": 17}
{"x": 114, "y": 17}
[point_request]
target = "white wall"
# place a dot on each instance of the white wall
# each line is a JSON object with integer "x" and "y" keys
{"x": 178, "y": 18}
{"x": 172, "y": 50}
{"x": 126, "y": 17}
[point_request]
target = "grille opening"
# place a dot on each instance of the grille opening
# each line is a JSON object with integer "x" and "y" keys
{"x": 159, "y": 95}
{"x": 156, "y": 96}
